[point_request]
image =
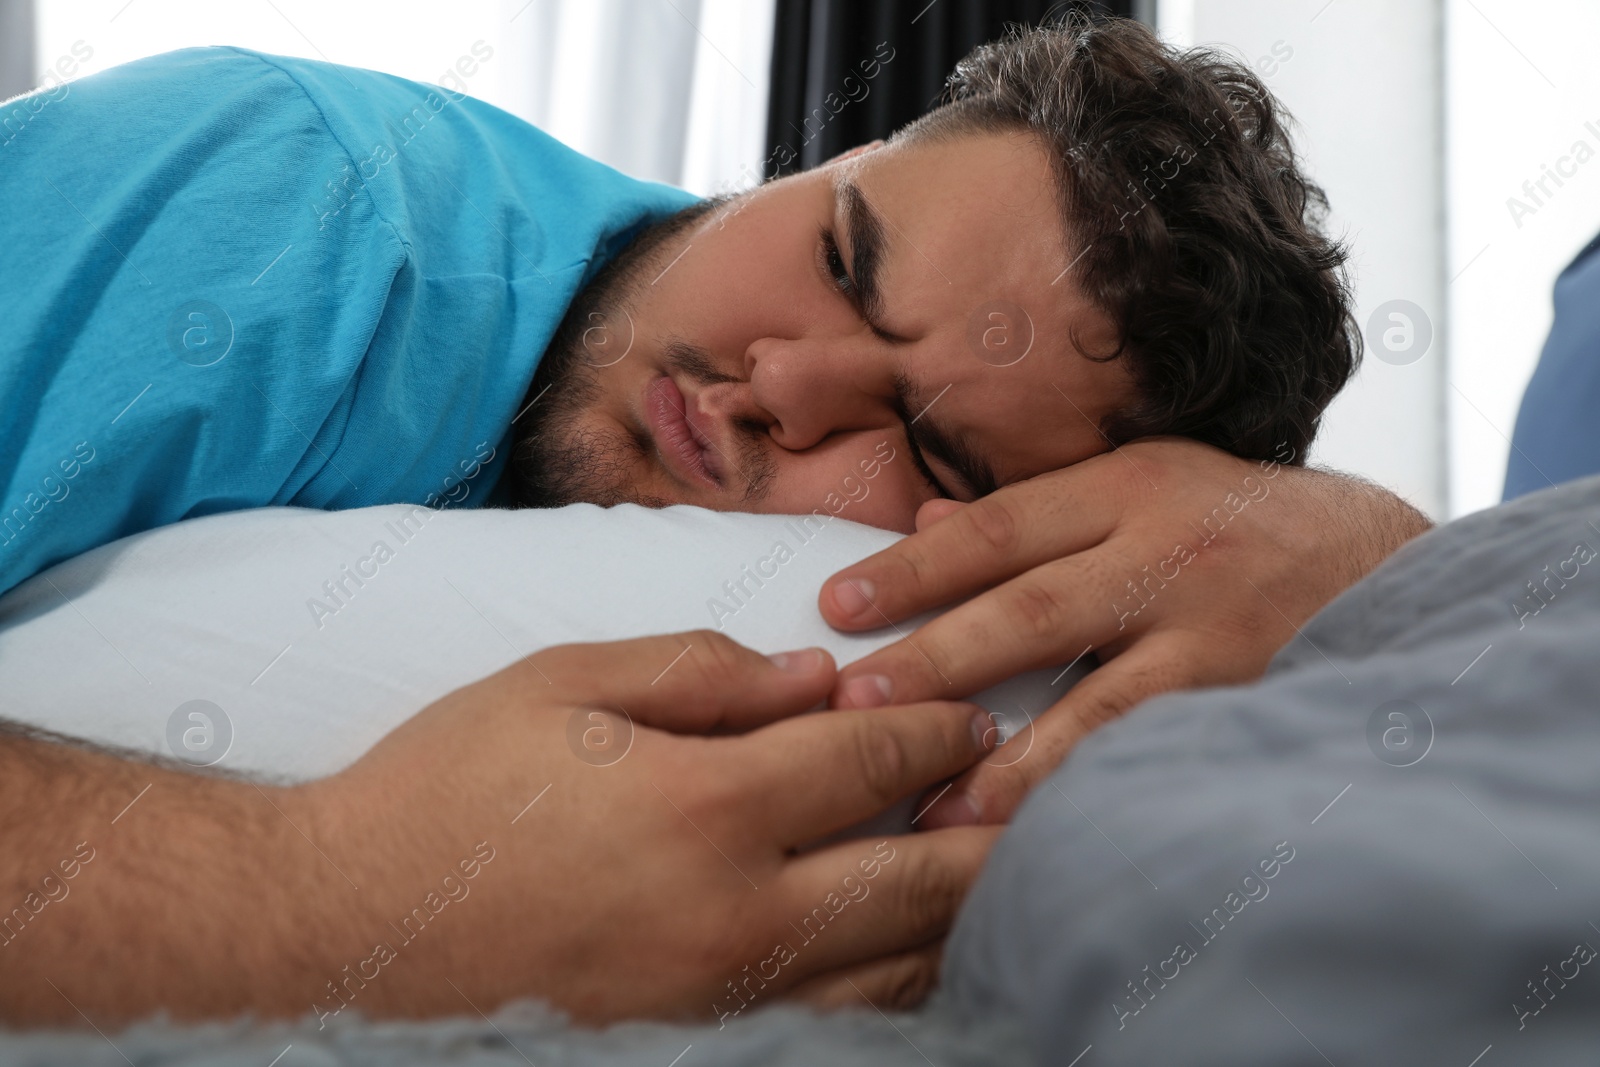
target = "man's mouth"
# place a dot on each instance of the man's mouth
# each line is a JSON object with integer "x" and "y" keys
{"x": 685, "y": 449}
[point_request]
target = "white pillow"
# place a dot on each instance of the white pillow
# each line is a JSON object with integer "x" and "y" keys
{"x": 318, "y": 632}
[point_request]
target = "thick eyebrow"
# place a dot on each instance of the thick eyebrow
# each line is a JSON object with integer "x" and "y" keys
{"x": 954, "y": 450}
{"x": 863, "y": 228}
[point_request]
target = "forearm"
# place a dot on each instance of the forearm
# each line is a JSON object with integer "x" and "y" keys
{"x": 494, "y": 860}
{"x": 128, "y": 887}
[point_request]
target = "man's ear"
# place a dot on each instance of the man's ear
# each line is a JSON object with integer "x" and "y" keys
{"x": 851, "y": 153}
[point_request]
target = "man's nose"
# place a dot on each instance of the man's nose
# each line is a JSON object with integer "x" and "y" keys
{"x": 811, "y": 388}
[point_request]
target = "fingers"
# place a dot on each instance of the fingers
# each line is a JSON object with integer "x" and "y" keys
{"x": 1023, "y": 624}
{"x": 933, "y": 510}
{"x": 991, "y": 791}
{"x": 894, "y": 983}
{"x": 696, "y": 682}
{"x": 968, "y": 549}
{"x": 855, "y": 904}
{"x": 821, "y": 773}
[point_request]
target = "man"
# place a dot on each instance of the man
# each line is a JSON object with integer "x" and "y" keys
{"x": 1096, "y": 241}
{"x": 883, "y": 299}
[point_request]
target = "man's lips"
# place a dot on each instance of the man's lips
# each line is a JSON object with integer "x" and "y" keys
{"x": 684, "y": 448}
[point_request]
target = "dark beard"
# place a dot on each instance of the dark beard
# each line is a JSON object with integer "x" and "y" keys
{"x": 554, "y": 462}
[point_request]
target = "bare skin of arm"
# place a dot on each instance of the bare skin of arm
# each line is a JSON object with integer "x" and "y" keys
{"x": 475, "y": 855}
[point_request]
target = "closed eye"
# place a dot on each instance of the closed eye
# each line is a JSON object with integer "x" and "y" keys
{"x": 921, "y": 463}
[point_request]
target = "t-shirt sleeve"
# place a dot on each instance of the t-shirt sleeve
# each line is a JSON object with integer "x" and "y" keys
{"x": 236, "y": 280}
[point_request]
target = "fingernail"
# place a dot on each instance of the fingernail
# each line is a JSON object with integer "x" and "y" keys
{"x": 955, "y": 809}
{"x": 853, "y": 596}
{"x": 867, "y": 691}
{"x": 985, "y": 731}
{"x": 800, "y": 661}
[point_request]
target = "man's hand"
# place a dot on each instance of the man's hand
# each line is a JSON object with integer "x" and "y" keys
{"x": 1173, "y": 563}
{"x": 538, "y": 833}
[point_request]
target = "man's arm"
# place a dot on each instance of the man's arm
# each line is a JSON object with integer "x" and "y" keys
{"x": 495, "y": 846}
{"x": 1176, "y": 564}
{"x": 123, "y": 882}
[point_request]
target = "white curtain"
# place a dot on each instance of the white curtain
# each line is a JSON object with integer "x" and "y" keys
{"x": 672, "y": 90}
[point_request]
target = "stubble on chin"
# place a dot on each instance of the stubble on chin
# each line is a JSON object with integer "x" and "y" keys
{"x": 561, "y": 458}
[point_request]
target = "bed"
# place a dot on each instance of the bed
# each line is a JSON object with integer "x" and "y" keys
{"x": 1388, "y": 849}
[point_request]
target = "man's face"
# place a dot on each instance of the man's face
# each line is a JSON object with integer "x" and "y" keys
{"x": 895, "y": 326}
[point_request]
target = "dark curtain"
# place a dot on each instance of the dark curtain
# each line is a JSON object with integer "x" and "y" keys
{"x": 845, "y": 72}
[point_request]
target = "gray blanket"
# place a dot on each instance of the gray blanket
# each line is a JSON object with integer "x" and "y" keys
{"x": 1387, "y": 851}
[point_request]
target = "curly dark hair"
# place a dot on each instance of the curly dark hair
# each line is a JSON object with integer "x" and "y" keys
{"x": 1193, "y": 227}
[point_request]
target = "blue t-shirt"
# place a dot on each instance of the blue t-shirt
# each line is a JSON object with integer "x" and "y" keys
{"x": 232, "y": 280}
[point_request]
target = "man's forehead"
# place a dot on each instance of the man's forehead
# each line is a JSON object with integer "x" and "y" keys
{"x": 979, "y": 175}
{"x": 967, "y": 220}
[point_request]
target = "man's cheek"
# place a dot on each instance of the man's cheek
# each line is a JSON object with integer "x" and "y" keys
{"x": 893, "y": 503}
